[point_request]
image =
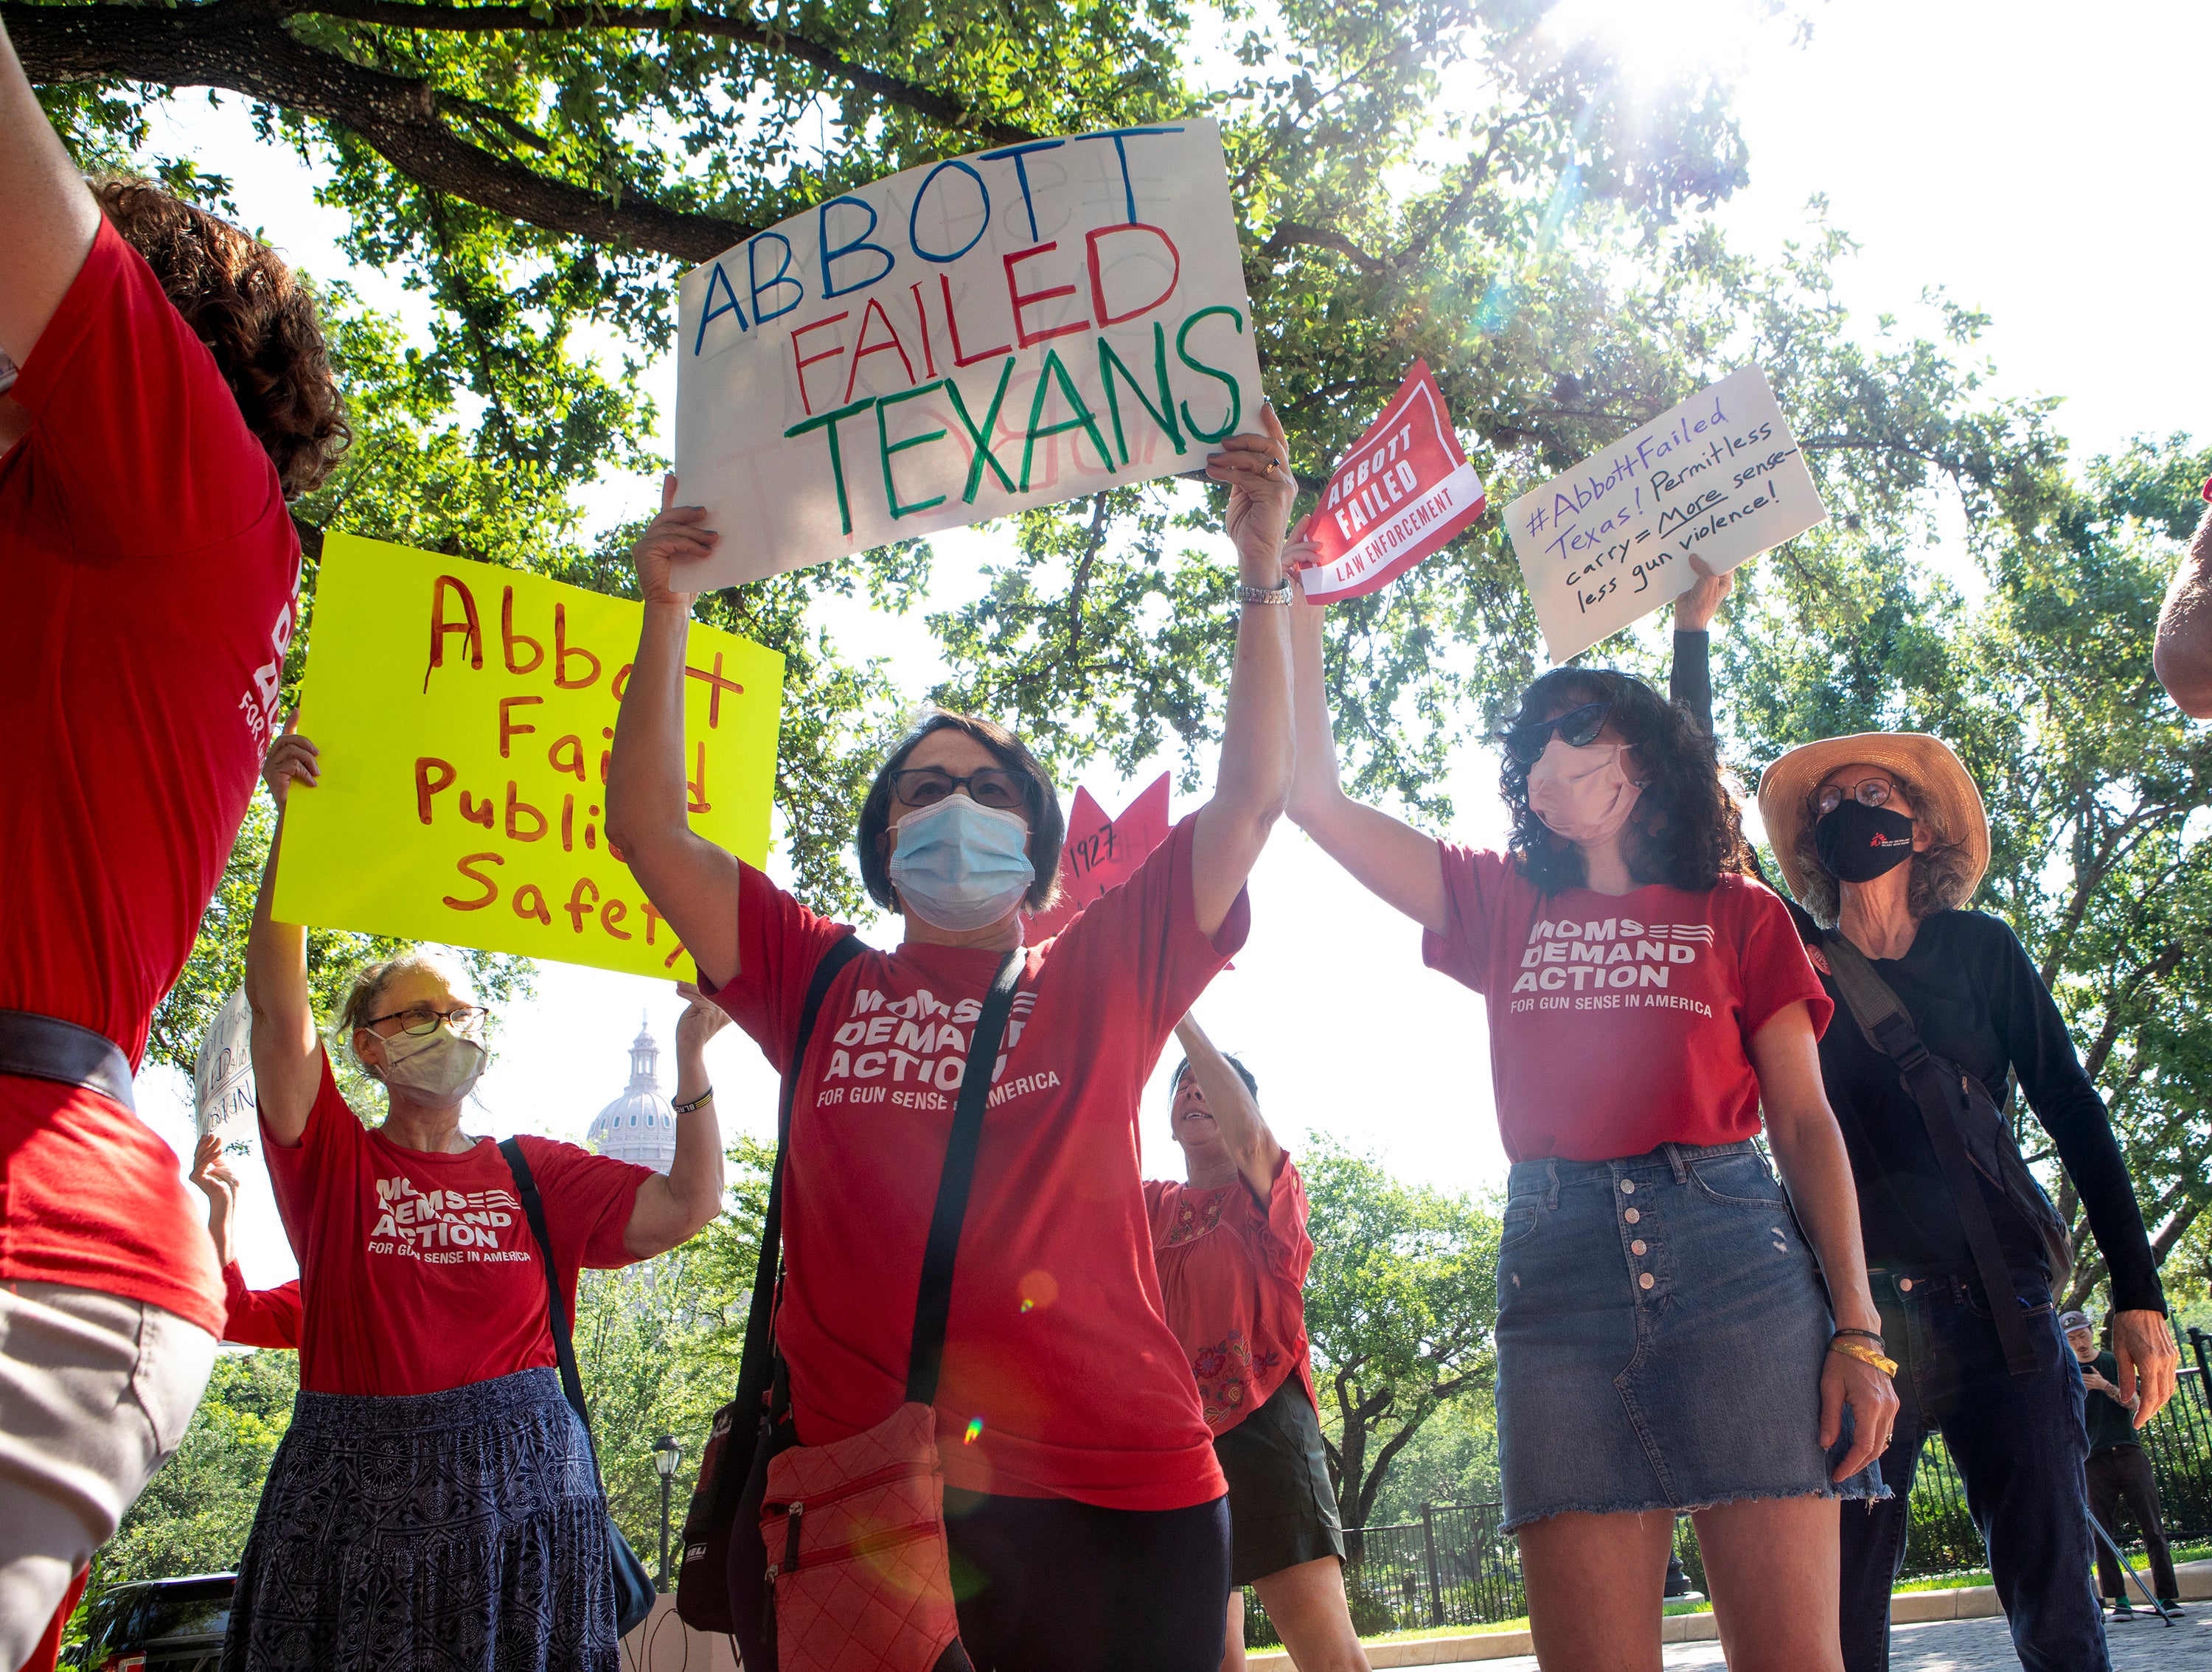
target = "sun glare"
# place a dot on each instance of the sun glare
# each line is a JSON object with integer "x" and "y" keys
{"x": 1657, "y": 44}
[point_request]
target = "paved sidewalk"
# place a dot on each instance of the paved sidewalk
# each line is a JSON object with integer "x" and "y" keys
{"x": 1978, "y": 1645}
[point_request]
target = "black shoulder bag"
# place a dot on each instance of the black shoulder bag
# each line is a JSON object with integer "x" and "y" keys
{"x": 633, "y": 1585}
{"x": 1972, "y": 1138}
{"x": 702, "y": 1591}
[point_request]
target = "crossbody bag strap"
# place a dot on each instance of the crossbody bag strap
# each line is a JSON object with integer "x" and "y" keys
{"x": 933, "y": 1303}
{"x": 1889, "y": 1028}
{"x": 754, "y": 1369}
{"x": 564, "y": 1349}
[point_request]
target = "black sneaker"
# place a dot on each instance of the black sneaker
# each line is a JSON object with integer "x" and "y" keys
{"x": 2120, "y": 1611}
{"x": 2171, "y": 1604}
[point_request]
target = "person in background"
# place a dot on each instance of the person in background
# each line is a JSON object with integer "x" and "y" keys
{"x": 163, "y": 390}
{"x": 434, "y": 1502}
{"x": 1882, "y": 839}
{"x": 1656, "y": 1292}
{"x": 2118, "y": 1471}
{"x": 1082, "y": 1504}
{"x": 256, "y": 1317}
{"x": 1231, "y": 1249}
{"x": 2183, "y": 653}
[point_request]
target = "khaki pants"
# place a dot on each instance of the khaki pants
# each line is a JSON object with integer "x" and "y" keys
{"x": 95, "y": 1393}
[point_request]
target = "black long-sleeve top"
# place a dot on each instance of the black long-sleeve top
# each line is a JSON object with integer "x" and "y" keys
{"x": 1975, "y": 999}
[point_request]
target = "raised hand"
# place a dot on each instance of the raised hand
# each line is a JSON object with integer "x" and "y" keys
{"x": 212, "y": 1173}
{"x": 677, "y": 535}
{"x": 1695, "y": 609}
{"x": 1256, "y": 467}
{"x": 701, "y": 1020}
{"x": 289, "y": 757}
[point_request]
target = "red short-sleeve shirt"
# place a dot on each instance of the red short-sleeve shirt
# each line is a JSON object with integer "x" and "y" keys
{"x": 148, "y": 566}
{"x": 1619, "y": 1022}
{"x": 418, "y": 1272}
{"x": 1061, "y": 1378}
{"x": 1233, "y": 1273}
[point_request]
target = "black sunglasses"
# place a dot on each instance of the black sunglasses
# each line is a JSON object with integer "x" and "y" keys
{"x": 995, "y": 786}
{"x": 1578, "y": 727}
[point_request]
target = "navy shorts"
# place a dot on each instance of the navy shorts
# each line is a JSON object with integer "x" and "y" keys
{"x": 1661, "y": 1331}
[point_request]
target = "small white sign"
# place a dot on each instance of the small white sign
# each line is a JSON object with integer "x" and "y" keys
{"x": 222, "y": 1074}
{"x": 984, "y": 335}
{"x": 1719, "y": 477}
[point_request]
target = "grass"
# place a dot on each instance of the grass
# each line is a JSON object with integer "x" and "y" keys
{"x": 1980, "y": 1575}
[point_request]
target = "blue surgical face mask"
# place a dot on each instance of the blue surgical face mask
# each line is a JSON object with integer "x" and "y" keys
{"x": 959, "y": 865}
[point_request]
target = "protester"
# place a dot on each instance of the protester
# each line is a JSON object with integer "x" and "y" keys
{"x": 2183, "y": 654}
{"x": 1882, "y": 839}
{"x": 161, "y": 414}
{"x": 1085, "y": 1508}
{"x": 434, "y": 1501}
{"x": 1231, "y": 1249}
{"x": 1663, "y": 1339}
{"x": 2118, "y": 1472}
{"x": 254, "y": 1317}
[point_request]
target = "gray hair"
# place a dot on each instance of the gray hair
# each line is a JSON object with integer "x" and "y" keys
{"x": 1942, "y": 873}
{"x": 369, "y": 986}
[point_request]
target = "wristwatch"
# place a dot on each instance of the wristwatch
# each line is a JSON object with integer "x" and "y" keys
{"x": 1279, "y": 593}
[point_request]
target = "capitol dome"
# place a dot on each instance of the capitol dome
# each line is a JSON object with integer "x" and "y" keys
{"x": 640, "y": 1125}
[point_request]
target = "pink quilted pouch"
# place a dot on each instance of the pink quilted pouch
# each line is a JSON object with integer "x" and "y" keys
{"x": 858, "y": 1561}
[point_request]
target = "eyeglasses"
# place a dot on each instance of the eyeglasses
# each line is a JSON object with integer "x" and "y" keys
{"x": 994, "y": 787}
{"x": 421, "y": 1019}
{"x": 1578, "y": 727}
{"x": 1867, "y": 793}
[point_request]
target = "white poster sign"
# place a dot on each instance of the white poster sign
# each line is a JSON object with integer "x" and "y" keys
{"x": 1009, "y": 329}
{"x": 223, "y": 1073}
{"x": 1719, "y": 477}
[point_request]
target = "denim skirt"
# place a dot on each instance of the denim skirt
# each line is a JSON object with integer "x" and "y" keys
{"x": 1661, "y": 1331}
{"x": 461, "y": 1530}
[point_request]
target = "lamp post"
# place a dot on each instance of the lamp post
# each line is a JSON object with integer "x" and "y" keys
{"x": 667, "y": 1454}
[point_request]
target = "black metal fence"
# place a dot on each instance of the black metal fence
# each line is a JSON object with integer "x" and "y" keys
{"x": 1452, "y": 1567}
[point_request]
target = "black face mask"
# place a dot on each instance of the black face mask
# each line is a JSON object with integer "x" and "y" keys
{"x": 1857, "y": 842}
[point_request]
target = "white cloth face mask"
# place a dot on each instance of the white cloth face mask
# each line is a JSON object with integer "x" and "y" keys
{"x": 439, "y": 1066}
{"x": 1581, "y": 793}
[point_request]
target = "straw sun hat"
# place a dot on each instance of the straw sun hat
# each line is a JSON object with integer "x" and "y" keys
{"x": 1948, "y": 797}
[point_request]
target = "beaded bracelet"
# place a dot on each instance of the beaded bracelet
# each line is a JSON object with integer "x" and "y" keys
{"x": 699, "y": 1101}
{"x": 1865, "y": 1355}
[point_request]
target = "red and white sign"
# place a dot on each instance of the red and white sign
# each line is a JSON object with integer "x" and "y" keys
{"x": 1401, "y": 492}
{"x": 1102, "y": 853}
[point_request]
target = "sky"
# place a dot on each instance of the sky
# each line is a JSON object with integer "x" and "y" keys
{"x": 2045, "y": 164}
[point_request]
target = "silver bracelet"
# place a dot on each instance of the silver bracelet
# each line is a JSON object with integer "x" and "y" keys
{"x": 1277, "y": 593}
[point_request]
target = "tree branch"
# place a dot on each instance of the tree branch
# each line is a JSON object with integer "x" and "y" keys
{"x": 242, "y": 46}
{"x": 947, "y": 108}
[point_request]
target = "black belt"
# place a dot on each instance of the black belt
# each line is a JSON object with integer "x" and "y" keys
{"x": 46, "y": 1048}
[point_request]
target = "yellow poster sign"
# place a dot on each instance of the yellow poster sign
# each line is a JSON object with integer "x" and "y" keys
{"x": 463, "y": 714}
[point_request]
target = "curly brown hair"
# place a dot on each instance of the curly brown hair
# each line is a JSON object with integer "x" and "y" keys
{"x": 256, "y": 318}
{"x": 1685, "y": 829}
{"x": 1942, "y": 873}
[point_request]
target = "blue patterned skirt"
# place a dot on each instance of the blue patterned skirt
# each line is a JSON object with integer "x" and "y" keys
{"x": 461, "y": 1531}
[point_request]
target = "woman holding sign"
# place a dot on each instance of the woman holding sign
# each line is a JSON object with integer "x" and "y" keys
{"x": 1082, "y": 1504}
{"x": 435, "y": 1501}
{"x": 1232, "y": 1250}
{"x": 1664, "y": 1342}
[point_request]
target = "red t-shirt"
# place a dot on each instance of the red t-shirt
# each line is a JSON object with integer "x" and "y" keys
{"x": 1233, "y": 1273}
{"x": 1060, "y": 1378}
{"x": 261, "y": 1317}
{"x": 148, "y": 566}
{"x": 418, "y": 1271}
{"x": 1619, "y": 1022}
